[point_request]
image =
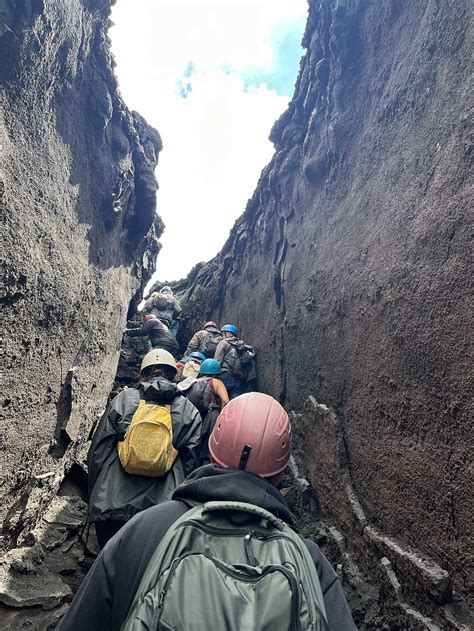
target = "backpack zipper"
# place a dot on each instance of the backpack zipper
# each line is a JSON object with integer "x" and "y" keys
{"x": 295, "y": 601}
{"x": 253, "y": 561}
{"x": 234, "y": 532}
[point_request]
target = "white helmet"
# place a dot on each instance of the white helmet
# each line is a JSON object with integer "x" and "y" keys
{"x": 158, "y": 357}
{"x": 191, "y": 369}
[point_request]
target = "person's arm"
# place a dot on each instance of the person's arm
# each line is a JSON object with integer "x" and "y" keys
{"x": 91, "y": 609}
{"x": 176, "y": 308}
{"x": 150, "y": 303}
{"x": 107, "y": 593}
{"x": 145, "y": 330}
{"x": 221, "y": 392}
{"x": 339, "y": 615}
{"x": 103, "y": 441}
{"x": 221, "y": 351}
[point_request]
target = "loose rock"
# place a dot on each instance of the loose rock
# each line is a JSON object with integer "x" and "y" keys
{"x": 70, "y": 512}
{"x": 34, "y": 588}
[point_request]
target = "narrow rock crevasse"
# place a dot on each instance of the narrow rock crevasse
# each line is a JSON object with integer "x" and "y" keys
{"x": 349, "y": 271}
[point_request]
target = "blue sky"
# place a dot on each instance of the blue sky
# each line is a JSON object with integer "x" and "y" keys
{"x": 287, "y": 52}
{"x": 212, "y": 76}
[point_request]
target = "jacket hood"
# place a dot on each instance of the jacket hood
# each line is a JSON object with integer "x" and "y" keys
{"x": 158, "y": 389}
{"x": 214, "y": 483}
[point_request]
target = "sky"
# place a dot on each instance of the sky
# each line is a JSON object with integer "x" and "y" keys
{"x": 212, "y": 77}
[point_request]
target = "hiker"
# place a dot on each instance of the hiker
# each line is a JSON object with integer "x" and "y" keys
{"x": 165, "y": 307}
{"x": 197, "y": 356}
{"x": 189, "y": 366}
{"x": 209, "y": 395}
{"x": 250, "y": 449}
{"x": 123, "y": 479}
{"x": 179, "y": 365}
{"x": 206, "y": 340}
{"x": 158, "y": 333}
{"x": 237, "y": 360}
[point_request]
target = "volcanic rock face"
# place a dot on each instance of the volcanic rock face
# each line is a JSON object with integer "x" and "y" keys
{"x": 77, "y": 193}
{"x": 349, "y": 268}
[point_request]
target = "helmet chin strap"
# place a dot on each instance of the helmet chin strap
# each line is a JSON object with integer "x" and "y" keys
{"x": 244, "y": 457}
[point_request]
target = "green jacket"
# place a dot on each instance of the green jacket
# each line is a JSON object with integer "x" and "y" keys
{"x": 115, "y": 494}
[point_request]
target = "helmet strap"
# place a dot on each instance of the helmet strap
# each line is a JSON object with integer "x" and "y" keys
{"x": 244, "y": 457}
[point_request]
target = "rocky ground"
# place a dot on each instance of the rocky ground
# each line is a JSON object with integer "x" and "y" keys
{"x": 39, "y": 577}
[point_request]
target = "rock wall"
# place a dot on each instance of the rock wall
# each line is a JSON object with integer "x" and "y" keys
{"x": 77, "y": 194}
{"x": 350, "y": 267}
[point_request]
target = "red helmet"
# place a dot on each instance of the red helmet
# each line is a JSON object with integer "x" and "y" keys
{"x": 149, "y": 316}
{"x": 252, "y": 432}
{"x": 210, "y": 324}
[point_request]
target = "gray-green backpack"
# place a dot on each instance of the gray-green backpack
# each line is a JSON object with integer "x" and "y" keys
{"x": 229, "y": 566}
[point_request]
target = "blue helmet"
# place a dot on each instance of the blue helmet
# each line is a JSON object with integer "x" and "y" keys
{"x": 210, "y": 367}
{"x": 199, "y": 356}
{"x": 230, "y": 328}
{"x": 166, "y": 290}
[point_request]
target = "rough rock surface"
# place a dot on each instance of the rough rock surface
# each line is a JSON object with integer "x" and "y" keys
{"x": 350, "y": 269}
{"x": 38, "y": 579}
{"x": 26, "y": 589}
{"x": 79, "y": 235}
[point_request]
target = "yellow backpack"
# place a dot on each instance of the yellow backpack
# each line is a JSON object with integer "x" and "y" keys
{"x": 147, "y": 448}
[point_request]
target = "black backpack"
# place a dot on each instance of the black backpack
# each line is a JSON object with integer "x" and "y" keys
{"x": 199, "y": 393}
{"x": 209, "y": 343}
{"x": 245, "y": 356}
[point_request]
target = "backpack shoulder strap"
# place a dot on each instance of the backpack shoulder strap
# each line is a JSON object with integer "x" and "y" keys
{"x": 150, "y": 576}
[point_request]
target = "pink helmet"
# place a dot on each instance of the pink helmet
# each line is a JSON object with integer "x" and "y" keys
{"x": 252, "y": 432}
{"x": 210, "y": 324}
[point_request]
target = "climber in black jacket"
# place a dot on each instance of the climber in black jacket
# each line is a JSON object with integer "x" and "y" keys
{"x": 158, "y": 333}
{"x": 115, "y": 495}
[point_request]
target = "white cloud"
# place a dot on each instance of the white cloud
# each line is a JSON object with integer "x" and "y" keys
{"x": 215, "y": 140}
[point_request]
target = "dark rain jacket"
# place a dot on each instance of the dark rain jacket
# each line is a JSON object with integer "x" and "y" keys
{"x": 159, "y": 334}
{"x": 201, "y": 393}
{"x": 106, "y": 595}
{"x": 164, "y": 307}
{"x": 115, "y": 494}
